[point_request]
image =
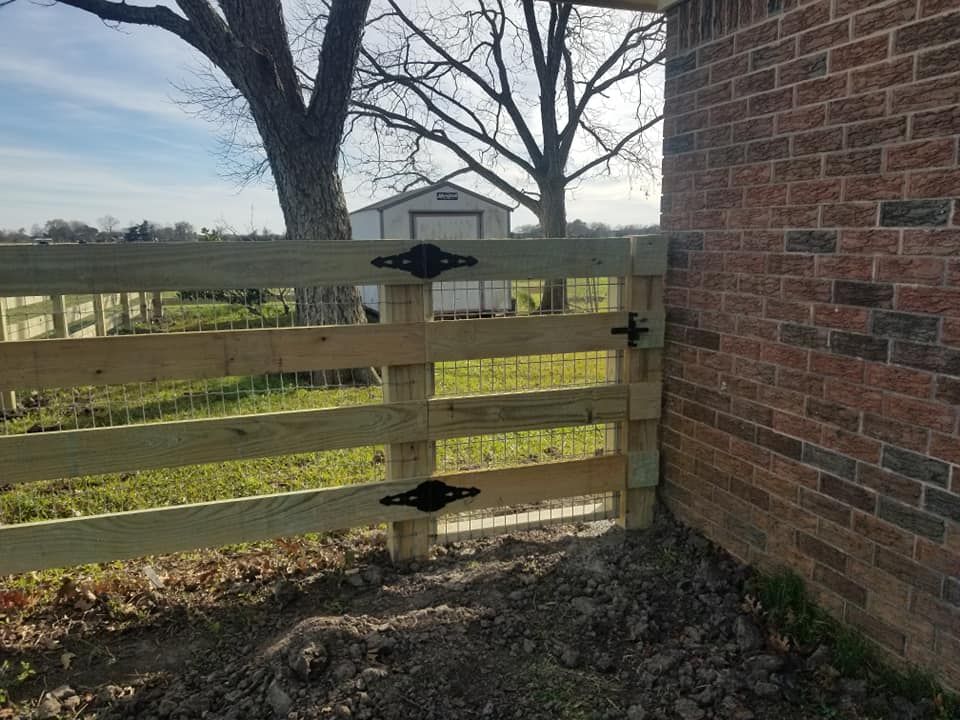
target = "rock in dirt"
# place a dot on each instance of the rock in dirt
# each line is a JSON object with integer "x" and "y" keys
{"x": 688, "y": 709}
{"x": 308, "y": 661}
{"x": 48, "y": 708}
{"x": 635, "y": 712}
{"x": 278, "y": 699}
{"x": 747, "y": 634}
{"x": 569, "y": 658}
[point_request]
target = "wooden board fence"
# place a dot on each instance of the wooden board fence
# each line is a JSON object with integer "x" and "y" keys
{"x": 409, "y": 422}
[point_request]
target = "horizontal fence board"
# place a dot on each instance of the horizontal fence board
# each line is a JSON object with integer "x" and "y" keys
{"x": 91, "y": 268}
{"x": 196, "y": 355}
{"x": 72, "y": 453}
{"x": 511, "y": 412}
{"x": 102, "y": 538}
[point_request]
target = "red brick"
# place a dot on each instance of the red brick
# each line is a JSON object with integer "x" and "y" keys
{"x": 923, "y": 154}
{"x": 815, "y": 192}
{"x": 895, "y": 432}
{"x": 939, "y": 61}
{"x": 817, "y": 141}
{"x": 764, "y": 240}
{"x": 945, "y": 447}
{"x": 721, "y": 240}
{"x": 821, "y": 552}
{"x": 824, "y": 37}
{"x": 715, "y": 94}
{"x": 937, "y": 558}
{"x": 846, "y": 267}
{"x": 900, "y": 380}
{"x": 768, "y": 149}
{"x": 841, "y": 317}
{"x": 881, "y": 632}
{"x": 797, "y": 169}
{"x": 856, "y": 162}
{"x": 851, "y": 214}
{"x": 883, "y": 533}
{"x": 728, "y": 112}
{"x": 796, "y": 426}
{"x": 854, "y": 396}
{"x": 850, "y": 444}
{"x": 770, "y": 102}
{"x": 821, "y": 89}
{"x": 937, "y": 183}
{"x": 759, "y": 285}
{"x": 715, "y": 51}
{"x": 751, "y": 174}
{"x": 874, "y": 187}
{"x": 757, "y": 36}
{"x": 765, "y": 196}
{"x": 936, "y": 301}
{"x": 861, "y": 52}
{"x": 926, "y": 95}
{"x": 805, "y": 17}
{"x": 927, "y": 33}
{"x": 802, "y": 382}
{"x": 753, "y": 83}
{"x": 884, "y": 17}
{"x": 794, "y": 472}
{"x": 807, "y": 289}
{"x": 794, "y": 216}
{"x": 806, "y": 118}
{"x": 729, "y": 68}
{"x": 712, "y": 179}
{"x": 926, "y": 270}
{"x": 837, "y": 366}
{"x": 951, "y": 332}
{"x": 884, "y": 130}
{"x": 806, "y": 68}
{"x": 825, "y": 507}
{"x": 868, "y": 106}
{"x": 882, "y": 75}
{"x": 935, "y": 7}
{"x": 753, "y": 128}
{"x": 784, "y": 310}
{"x": 773, "y": 54}
{"x": 953, "y": 273}
{"x": 779, "y": 398}
{"x": 919, "y": 412}
{"x": 931, "y": 242}
{"x": 890, "y": 484}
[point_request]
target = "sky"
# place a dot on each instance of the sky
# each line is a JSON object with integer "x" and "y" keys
{"x": 90, "y": 126}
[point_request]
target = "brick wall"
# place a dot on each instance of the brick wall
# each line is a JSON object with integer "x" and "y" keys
{"x": 813, "y": 371}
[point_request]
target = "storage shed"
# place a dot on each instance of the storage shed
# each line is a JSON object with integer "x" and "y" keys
{"x": 444, "y": 211}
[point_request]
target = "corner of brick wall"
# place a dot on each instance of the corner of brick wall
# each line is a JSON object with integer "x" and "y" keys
{"x": 813, "y": 358}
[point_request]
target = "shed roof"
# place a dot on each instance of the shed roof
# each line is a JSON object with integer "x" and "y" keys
{"x": 415, "y": 192}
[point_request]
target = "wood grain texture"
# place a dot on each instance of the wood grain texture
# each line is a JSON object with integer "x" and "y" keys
{"x": 93, "y": 268}
{"x": 72, "y": 453}
{"x": 102, "y": 538}
{"x": 182, "y": 356}
{"x": 409, "y": 539}
{"x": 194, "y": 355}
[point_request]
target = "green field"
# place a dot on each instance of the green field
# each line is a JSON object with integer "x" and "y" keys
{"x": 89, "y": 407}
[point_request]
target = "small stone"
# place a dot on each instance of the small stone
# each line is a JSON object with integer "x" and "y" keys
{"x": 635, "y": 712}
{"x": 766, "y": 689}
{"x": 344, "y": 671}
{"x": 342, "y": 711}
{"x": 583, "y": 605}
{"x": 818, "y": 658}
{"x": 355, "y": 580}
{"x": 278, "y": 699}
{"x": 108, "y": 693}
{"x": 64, "y": 691}
{"x": 747, "y": 634}
{"x": 48, "y": 708}
{"x": 308, "y": 660}
{"x": 688, "y": 709}
{"x": 372, "y": 675}
{"x": 604, "y": 663}
{"x": 373, "y": 575}
{"x": 529, "y": 646}
{"x": 569, "y": 658}
{"x": 764, "y": 663}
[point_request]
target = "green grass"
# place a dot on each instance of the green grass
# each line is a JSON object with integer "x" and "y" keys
{"x": 790, "y": 610}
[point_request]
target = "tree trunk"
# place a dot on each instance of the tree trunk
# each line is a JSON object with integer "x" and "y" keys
{"x": 553, "y": 222}
{"x": 315, "y": 209}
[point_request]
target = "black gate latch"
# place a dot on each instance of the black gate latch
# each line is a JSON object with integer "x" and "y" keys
{"x": 430, "y": 496}
{"x": 424, "y": 261}
{"x": 632, "y": 329}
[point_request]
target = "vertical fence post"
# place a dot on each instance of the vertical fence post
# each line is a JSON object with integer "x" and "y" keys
{"x": 61, "y": 326}
{"x": 157, "y": 306}
{"x": 144, "y": 314}
{"x": 409, "y": 539}
{"x": 8, "y": 398}
{"x": 99, "y": 315}
{"x": 126, "y": 317}
{"x": 638, "y": 438}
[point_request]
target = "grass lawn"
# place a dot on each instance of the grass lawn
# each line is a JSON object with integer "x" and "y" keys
{"x": 90, "y": 407}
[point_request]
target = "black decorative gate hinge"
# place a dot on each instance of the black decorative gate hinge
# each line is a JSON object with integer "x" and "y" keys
{"x": 424, "y": 261}
{"x": 632, "y": 329}
{"x": 430, "y": 496}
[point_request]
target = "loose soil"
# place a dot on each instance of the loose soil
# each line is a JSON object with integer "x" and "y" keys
{"x": 568, "y": 623}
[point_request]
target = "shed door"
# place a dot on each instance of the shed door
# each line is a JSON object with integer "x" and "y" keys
{"x": 451, "y": 297}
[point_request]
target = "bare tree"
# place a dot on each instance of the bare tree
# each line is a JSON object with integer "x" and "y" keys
{"x": 531, "y": 97}
{"x": 107, "y": 224}
{"x": 300, "y": 128}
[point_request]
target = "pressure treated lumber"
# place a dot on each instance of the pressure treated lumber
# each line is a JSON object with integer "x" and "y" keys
{"x": 196, "y": 355}
{"x": 71, "y": 453}
{"x": 101, "y": 538}
{"x": 101, "y": 268}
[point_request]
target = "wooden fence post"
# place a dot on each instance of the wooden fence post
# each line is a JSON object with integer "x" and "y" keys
{"x": 99, "y": 315}
{"x": 638, "y": 438}
{"x": 8, "y": 398}
{"x": 126, "y": 316}
{"x": 409, "y": 539}
{"x": 157, "y": 306}
{"x": 61, "y": 326}
{"x": 144, "y": 313}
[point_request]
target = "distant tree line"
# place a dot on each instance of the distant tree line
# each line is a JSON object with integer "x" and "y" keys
{"x": 109, "y": 229}
{"x": 581, "y": 229}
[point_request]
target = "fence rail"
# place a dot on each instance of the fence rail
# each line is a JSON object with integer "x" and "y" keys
{"x": 410, "y": 421}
